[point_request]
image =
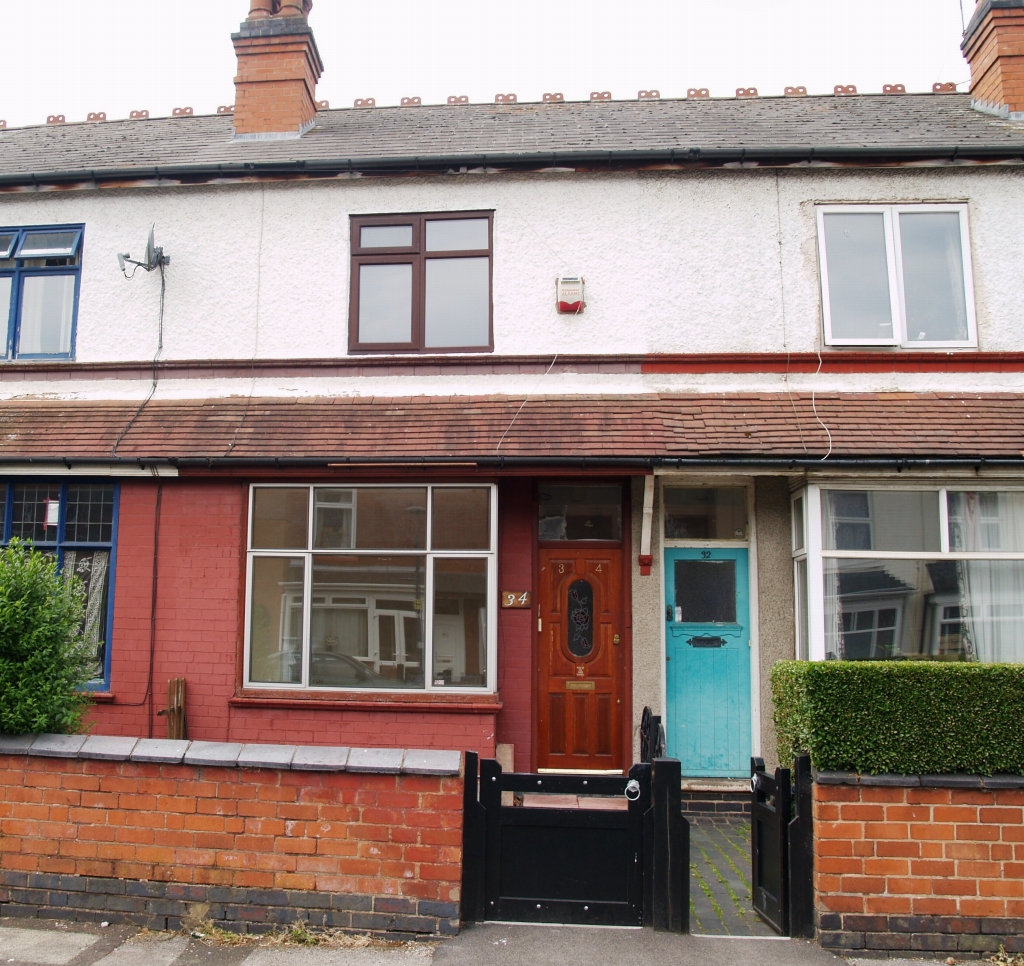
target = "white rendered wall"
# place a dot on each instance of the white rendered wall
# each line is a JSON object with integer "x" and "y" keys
{"x": 674, "y": 261}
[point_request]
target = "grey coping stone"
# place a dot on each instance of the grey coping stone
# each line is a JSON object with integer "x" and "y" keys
{"x": 320, "y": 758}
{"x": 162, "y": 750}
{"x": 951, "y": 781}
{"x": 836, "y": 777}
{"x": 58, "y": 746}
{"x": 1003, "y": 781}
{"x": 892, "y": 781}
{"x": 108, "y": 748}
{"x": 425, "y": 762}
{"x": 218, "y": 753}
{"x": 16, "y": 744}
{"x": 384, "y": 761}
{"x": 266, "y": 756}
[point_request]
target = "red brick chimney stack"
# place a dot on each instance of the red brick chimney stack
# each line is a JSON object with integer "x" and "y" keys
{"x": 994, "y": 47}
{"x": 278, "y": 67}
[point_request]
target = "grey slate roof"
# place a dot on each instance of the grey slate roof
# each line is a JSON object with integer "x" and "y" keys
{"x": 793, "y": 129}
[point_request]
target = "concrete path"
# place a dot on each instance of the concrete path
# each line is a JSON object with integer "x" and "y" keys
{"x": 38, "y": 943}
{"x": 720, "y": 881}
{"x": 494, "y": 944}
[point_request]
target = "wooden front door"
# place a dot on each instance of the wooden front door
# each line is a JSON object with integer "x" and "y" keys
{"x": 580, "y": 659}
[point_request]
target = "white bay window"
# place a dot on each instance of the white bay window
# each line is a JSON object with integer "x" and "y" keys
{"x": 890, "y": 573}
{"x": 371, "y": 587}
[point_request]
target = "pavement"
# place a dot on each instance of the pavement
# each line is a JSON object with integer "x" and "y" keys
{"x": 48, "y": 943}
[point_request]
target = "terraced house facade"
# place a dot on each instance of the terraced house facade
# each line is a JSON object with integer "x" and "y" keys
{"x": 471, "y": 425}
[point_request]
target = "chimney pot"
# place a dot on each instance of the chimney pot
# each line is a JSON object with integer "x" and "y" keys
{"x": 994, "y": 47}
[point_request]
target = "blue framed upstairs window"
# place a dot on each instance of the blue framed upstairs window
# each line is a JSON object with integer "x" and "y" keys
{"x": 40, "y": 275}
{"x": 77, "y": 523}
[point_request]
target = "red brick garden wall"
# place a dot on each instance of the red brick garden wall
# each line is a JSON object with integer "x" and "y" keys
{"x": 919, "y": 868}
{"x": 154, "y": 843}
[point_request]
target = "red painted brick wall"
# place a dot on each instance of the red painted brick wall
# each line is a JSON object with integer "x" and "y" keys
{"x": 374, "y": 835}
{"x": 943, "y": 864}
{"x": 199, "y": 635}
{"x": 517, "y": 525}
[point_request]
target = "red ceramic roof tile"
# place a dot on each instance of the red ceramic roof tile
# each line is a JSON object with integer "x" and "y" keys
{"x": 652, "y": 425}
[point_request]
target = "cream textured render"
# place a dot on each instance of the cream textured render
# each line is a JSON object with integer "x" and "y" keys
{"x": 675, "y": 261}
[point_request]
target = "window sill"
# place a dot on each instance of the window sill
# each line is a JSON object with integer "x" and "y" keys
{"x": 390, "y": 701}
{"x": 101, "y": 697}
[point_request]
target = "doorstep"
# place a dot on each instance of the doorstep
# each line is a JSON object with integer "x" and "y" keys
{"x": 715, "y": 784}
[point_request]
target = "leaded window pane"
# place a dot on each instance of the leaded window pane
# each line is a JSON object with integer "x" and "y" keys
{"x": 90, "y": 513}
{"x": 36, "y": 512}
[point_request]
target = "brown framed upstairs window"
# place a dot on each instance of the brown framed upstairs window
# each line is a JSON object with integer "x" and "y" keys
{"x": 421, "y": 283}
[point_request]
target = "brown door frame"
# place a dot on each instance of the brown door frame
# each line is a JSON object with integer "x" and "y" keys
{"x": 626, "y": 734}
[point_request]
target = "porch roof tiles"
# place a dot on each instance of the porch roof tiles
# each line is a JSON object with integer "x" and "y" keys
{"x": 761, "y": 425}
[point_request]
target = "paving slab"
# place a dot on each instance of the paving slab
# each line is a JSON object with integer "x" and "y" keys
{"x": 408, "y": 954}
{"x": 428, "y": 762}
{"x": 16, "y": 744}
{"x": 506, "y": 944}
{"x": 216, "y": 754}
{"x": 107, "y": 748}
{"x": 46, "y": 946}
{"x": 58, "y": 746}
{"x": 320, "y": 758}
{"x": 153, "y": 950}
{"x": 266, "y": 756}
{"x": 381, "y": 761}
{"x": 164, "y": 751}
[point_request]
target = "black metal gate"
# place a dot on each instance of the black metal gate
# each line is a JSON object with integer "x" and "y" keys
{"x": 599, "y": 866}
{"x": 782, "y": 847}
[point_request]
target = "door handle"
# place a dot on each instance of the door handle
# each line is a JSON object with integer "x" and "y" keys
{"x": 706, "y": 641}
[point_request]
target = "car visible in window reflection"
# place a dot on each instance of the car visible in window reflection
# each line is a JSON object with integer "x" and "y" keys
{"x": 331, "y": 670}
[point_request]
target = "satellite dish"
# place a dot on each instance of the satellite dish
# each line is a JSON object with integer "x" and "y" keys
{"x": 151, "y": 250}
{"x": 155, "y": 257}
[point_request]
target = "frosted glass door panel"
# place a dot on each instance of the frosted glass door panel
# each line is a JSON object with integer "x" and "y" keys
{"x": 858, "y": 277}
{"x": 385, "y": 303}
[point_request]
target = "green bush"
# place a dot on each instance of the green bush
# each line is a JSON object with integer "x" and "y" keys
{"x": 901, "y": 717}
{"x": 44, "y": 664}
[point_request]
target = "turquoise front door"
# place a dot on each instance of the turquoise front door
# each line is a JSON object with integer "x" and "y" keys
{"x": 707, "y": 654}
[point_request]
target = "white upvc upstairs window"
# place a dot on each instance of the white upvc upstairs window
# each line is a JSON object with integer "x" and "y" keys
{"x": 896, "y": 275}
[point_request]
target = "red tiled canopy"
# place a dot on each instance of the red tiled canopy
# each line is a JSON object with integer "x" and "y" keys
{"x": 757, "y": 425}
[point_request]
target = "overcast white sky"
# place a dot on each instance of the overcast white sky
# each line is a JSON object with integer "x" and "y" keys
{"x": 74, "y": 56}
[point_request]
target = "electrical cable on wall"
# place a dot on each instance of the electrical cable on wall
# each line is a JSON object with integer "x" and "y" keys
{"x": 782, "y": 295}
{"x": 256, "y": 340}
{"x": 154, "y": 259}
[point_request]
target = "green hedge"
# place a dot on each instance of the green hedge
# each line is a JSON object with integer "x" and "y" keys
{"x": 44, "y": 664}
{"x": 904, "y": 717}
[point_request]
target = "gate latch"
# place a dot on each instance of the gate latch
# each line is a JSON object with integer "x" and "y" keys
{"x": 706, "y": 642}
{"x": 632, "y": 790}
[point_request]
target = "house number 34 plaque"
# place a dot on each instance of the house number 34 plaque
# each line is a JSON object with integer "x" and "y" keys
{"x": 515, "y": 598}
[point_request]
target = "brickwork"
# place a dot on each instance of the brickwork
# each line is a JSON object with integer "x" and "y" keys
{"x": 278, "y": 67}
{"x": 517, "y": 522}
{"x": 995, "y": 51}
{"x": 919, "y": 868}
{"x": 153, "y": 844}
{"x": 199, "y": 635}
{"x": 701, "y": 806}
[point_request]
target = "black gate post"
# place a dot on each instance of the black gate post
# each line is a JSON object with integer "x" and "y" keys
{"x": 801, "y": 854}
{"x": 670, "y": 874}
{"x": 474, "y": 831}
{"x": 490, "y": 799}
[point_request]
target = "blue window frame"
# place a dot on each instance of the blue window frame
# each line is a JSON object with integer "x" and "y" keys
{"x": 40, "y": 277}
{"x": 77, "y": 521}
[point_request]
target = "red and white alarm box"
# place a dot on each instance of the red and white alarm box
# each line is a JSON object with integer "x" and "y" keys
{"x": 569, "y": 295}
